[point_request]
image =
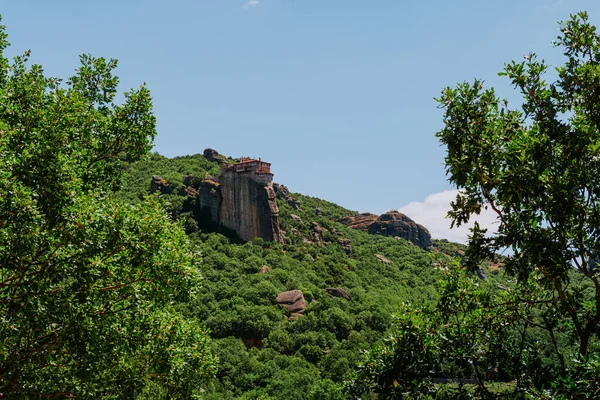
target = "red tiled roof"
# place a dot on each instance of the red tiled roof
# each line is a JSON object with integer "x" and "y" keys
{"x": 251, "y": 161}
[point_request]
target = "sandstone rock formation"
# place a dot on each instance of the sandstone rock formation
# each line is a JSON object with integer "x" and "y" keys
{"x": 283, "y": 193}
{"x": 293, "y": 301}
{"x": 317, "y": 235}
{"x": 248, "y": 207}
{"x": 188, "y": 191}
{"x": 209, "y": 201}
{"x": 158, "y": 184}
{"x": 392, "y": 223}
{"x": 294, "y": 316}
{"x": 360, "y": 221}
{"x": 241, "y": 199}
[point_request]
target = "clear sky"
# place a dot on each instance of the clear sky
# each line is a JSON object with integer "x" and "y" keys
{"x": 337, "y": 94}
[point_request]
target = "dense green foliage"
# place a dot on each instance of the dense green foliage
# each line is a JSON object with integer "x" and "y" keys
{"x": 87, "y": 282}
{"x": 538, "y": 168}
{"x": 310, "y": 356}
{"x": 480, "y": 332}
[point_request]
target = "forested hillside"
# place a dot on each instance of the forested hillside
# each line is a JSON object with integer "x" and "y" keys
{"x": 262, "y": 353}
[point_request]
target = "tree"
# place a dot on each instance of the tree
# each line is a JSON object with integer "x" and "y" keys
{"x": 473, "y": 333}
{"x": 87, "y": 282}
{"x": 538, "y": 169}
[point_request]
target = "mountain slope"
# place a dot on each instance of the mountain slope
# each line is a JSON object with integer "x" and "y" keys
{"x": 263, "y": 351}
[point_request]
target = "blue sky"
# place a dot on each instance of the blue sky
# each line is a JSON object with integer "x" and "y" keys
{"x": 338, "y": 95}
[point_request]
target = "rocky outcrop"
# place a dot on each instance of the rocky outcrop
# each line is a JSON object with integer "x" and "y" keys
{"x": 382, "y": 259}
{"x": 209, "y": 201}
{"x": 158, "y": 184}
{"x": 242, "y": 202}
{"x": 359, "y": 221}
{"x": 318, "y": 232}
{"x": 337, "y": 292}
{"x": 392, "y": 223}
{"x": 213, "y": 156}
{"x": 293, "y": 301}
{"x": 188, "y": 191}
{"x": 283, "y": 193}
{"x": 294, "y": 316}
{"x": 264, "y": 269}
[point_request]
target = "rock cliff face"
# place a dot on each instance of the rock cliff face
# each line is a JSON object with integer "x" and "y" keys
{"x": 392, "y": 223}
{"x": 248, "y": 207}
{"x": 241, "y": 203}
{"x": 360, "y": 221}
{"x": 208, "y": 201}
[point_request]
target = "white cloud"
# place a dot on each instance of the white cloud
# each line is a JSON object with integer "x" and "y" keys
{"x": 250, "y": 4}
{"x": 432, "y": 212}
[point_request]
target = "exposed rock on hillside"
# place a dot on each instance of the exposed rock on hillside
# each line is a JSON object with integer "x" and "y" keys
{"x": 264, "y": 269}
{"x": 293, "y": 301}
{"x": 209, "y": 200}
{"x": 317, "y": 235}
{"x": 249, "y": 208}
{"x": 158, "y": 184}
{"x": 360, "y": 221}
{"x": 213, "y": 156}
{"x": 283, "y": 193}
{"x": 243, "y": 200}
{"x": 392, "y": 223}
{"x": 382, "y": 259}
{"x": 337, "y": 292}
